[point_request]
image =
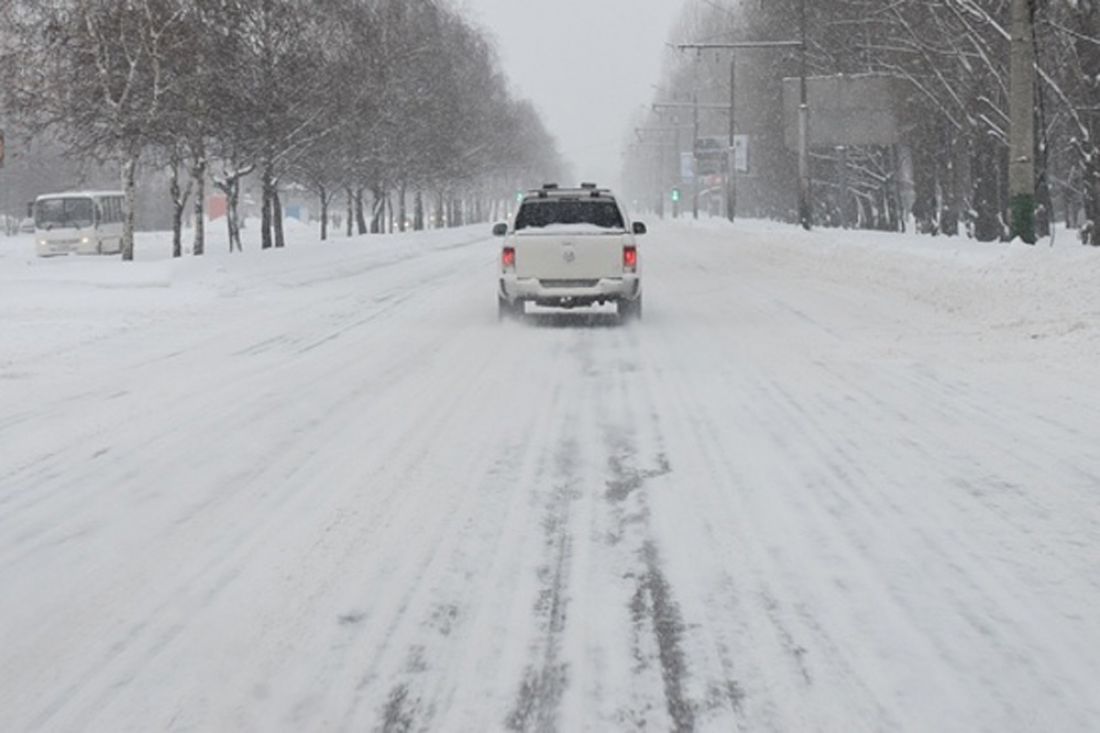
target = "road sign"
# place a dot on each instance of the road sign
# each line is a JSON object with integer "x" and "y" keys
{"x": 741, "y": 153}
{"x": 687, "y": 167}
{"x": 710, "y": 155}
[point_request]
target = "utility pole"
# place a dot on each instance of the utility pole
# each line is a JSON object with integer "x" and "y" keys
{"x": 731, "y": 167}
{"x": 805, "y": 209}
{"x": 695, "y": 156}
{"x": 1021, "y": 164}
{"x": 804, "y": 206}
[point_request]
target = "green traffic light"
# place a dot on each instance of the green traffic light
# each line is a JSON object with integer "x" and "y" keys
{"x": 676, "y": 195}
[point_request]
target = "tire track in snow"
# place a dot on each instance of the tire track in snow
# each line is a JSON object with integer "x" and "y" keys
{"x": 421, "y": 691}
{"x": 454, "y": 601}
{"x": 537, "y": 703}
{"x": 658, "y": 628}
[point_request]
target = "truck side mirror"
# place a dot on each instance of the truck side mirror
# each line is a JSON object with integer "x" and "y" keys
{"x": 640, "y": 228}
{"x": 500, "y": 230}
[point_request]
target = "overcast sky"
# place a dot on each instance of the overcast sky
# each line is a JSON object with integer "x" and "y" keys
{"x": 587, "y": 64}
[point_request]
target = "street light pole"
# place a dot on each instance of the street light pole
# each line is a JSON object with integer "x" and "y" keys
{"x": 1021, "y": 164}
{"x": 731, "y": 168}
{"x": 805, "y": 211}
{"x": 695, "y": 157}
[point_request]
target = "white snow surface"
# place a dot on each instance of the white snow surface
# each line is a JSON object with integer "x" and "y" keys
{"x": 834, "y": 481}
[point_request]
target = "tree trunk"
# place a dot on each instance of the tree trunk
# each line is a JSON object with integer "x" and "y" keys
{"x": 129, "y": 185}
{"x": 198, "y": 174}
{"x": 179, "y": 203}
{"x": 351, "y": 212}
{"x": 418, "y": 212}
{"x": 232, "y": 214}
{"x": 360, "y": 216}
{"x": 1088, "y": 29}
{"x": 277, "y": 217}
{"x": 924, "y": 185}
{"x": 987, "y": 223}
{"x": 949, "y": 184}
{"x": 377, "y": 210}
{"x": 231, "y": 187}
{"x": 1090, "y": 233}
{"x": 266, "y": 241}
{"x": 1044, "y": 196}
{"x": 402, "y": 212}
{"x": 324, "y": 213}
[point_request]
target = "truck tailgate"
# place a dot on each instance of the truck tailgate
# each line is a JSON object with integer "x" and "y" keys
{"x": 565, "y": 257}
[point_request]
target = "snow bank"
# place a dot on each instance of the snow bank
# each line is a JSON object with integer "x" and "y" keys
{"x": 1039, "y": 300}
{"x": 54, "y": 303}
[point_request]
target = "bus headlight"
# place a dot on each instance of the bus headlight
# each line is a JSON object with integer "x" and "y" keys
{"x": 84, "y": 240}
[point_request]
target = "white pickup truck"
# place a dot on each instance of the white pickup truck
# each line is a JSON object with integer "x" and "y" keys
{"x": 570, "y": 248}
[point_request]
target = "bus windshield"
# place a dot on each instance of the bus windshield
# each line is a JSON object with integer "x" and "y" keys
{"x": 65, "y": 213}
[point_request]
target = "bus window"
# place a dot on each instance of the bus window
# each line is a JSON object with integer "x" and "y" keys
{"x": 73, "y": 213}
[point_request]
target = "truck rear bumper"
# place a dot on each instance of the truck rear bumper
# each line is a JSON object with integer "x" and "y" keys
{"x": 570, "y": 293}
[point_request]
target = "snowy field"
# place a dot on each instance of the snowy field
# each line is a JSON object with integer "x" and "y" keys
{"x": 834, "y": 481}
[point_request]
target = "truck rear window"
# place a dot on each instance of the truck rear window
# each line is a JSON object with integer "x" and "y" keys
{"x": 539, "y": 214}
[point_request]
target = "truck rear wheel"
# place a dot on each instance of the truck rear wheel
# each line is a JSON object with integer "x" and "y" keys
{"x": 507, "y": 311}
{"x": 631, "y": 310}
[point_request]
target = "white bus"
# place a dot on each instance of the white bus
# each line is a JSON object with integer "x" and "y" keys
{"x": 83, "y": 222}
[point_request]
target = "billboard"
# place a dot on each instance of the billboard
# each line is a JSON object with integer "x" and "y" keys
{"x": 844, "y": 110}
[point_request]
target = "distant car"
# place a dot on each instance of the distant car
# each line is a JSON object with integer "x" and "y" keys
{"x": 570, "y": 248}
{"x": 27, "y": 225}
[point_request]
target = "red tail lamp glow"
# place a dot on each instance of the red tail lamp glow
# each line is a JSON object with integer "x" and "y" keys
{"x": 630, "y": 259}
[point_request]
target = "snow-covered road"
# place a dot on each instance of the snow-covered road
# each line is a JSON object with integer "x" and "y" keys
{"x": 832, "y": 482}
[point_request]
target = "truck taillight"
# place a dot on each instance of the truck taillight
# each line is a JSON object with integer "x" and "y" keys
{"x": 508, "y": 259}
{"x": 630, "y": 259}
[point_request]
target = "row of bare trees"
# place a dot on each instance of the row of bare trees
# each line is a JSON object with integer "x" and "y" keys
{"x": 365, "y": 102}
{"x": 951, "y": 60}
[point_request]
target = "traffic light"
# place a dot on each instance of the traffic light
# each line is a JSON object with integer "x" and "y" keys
{"x": 675, "y": 195}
